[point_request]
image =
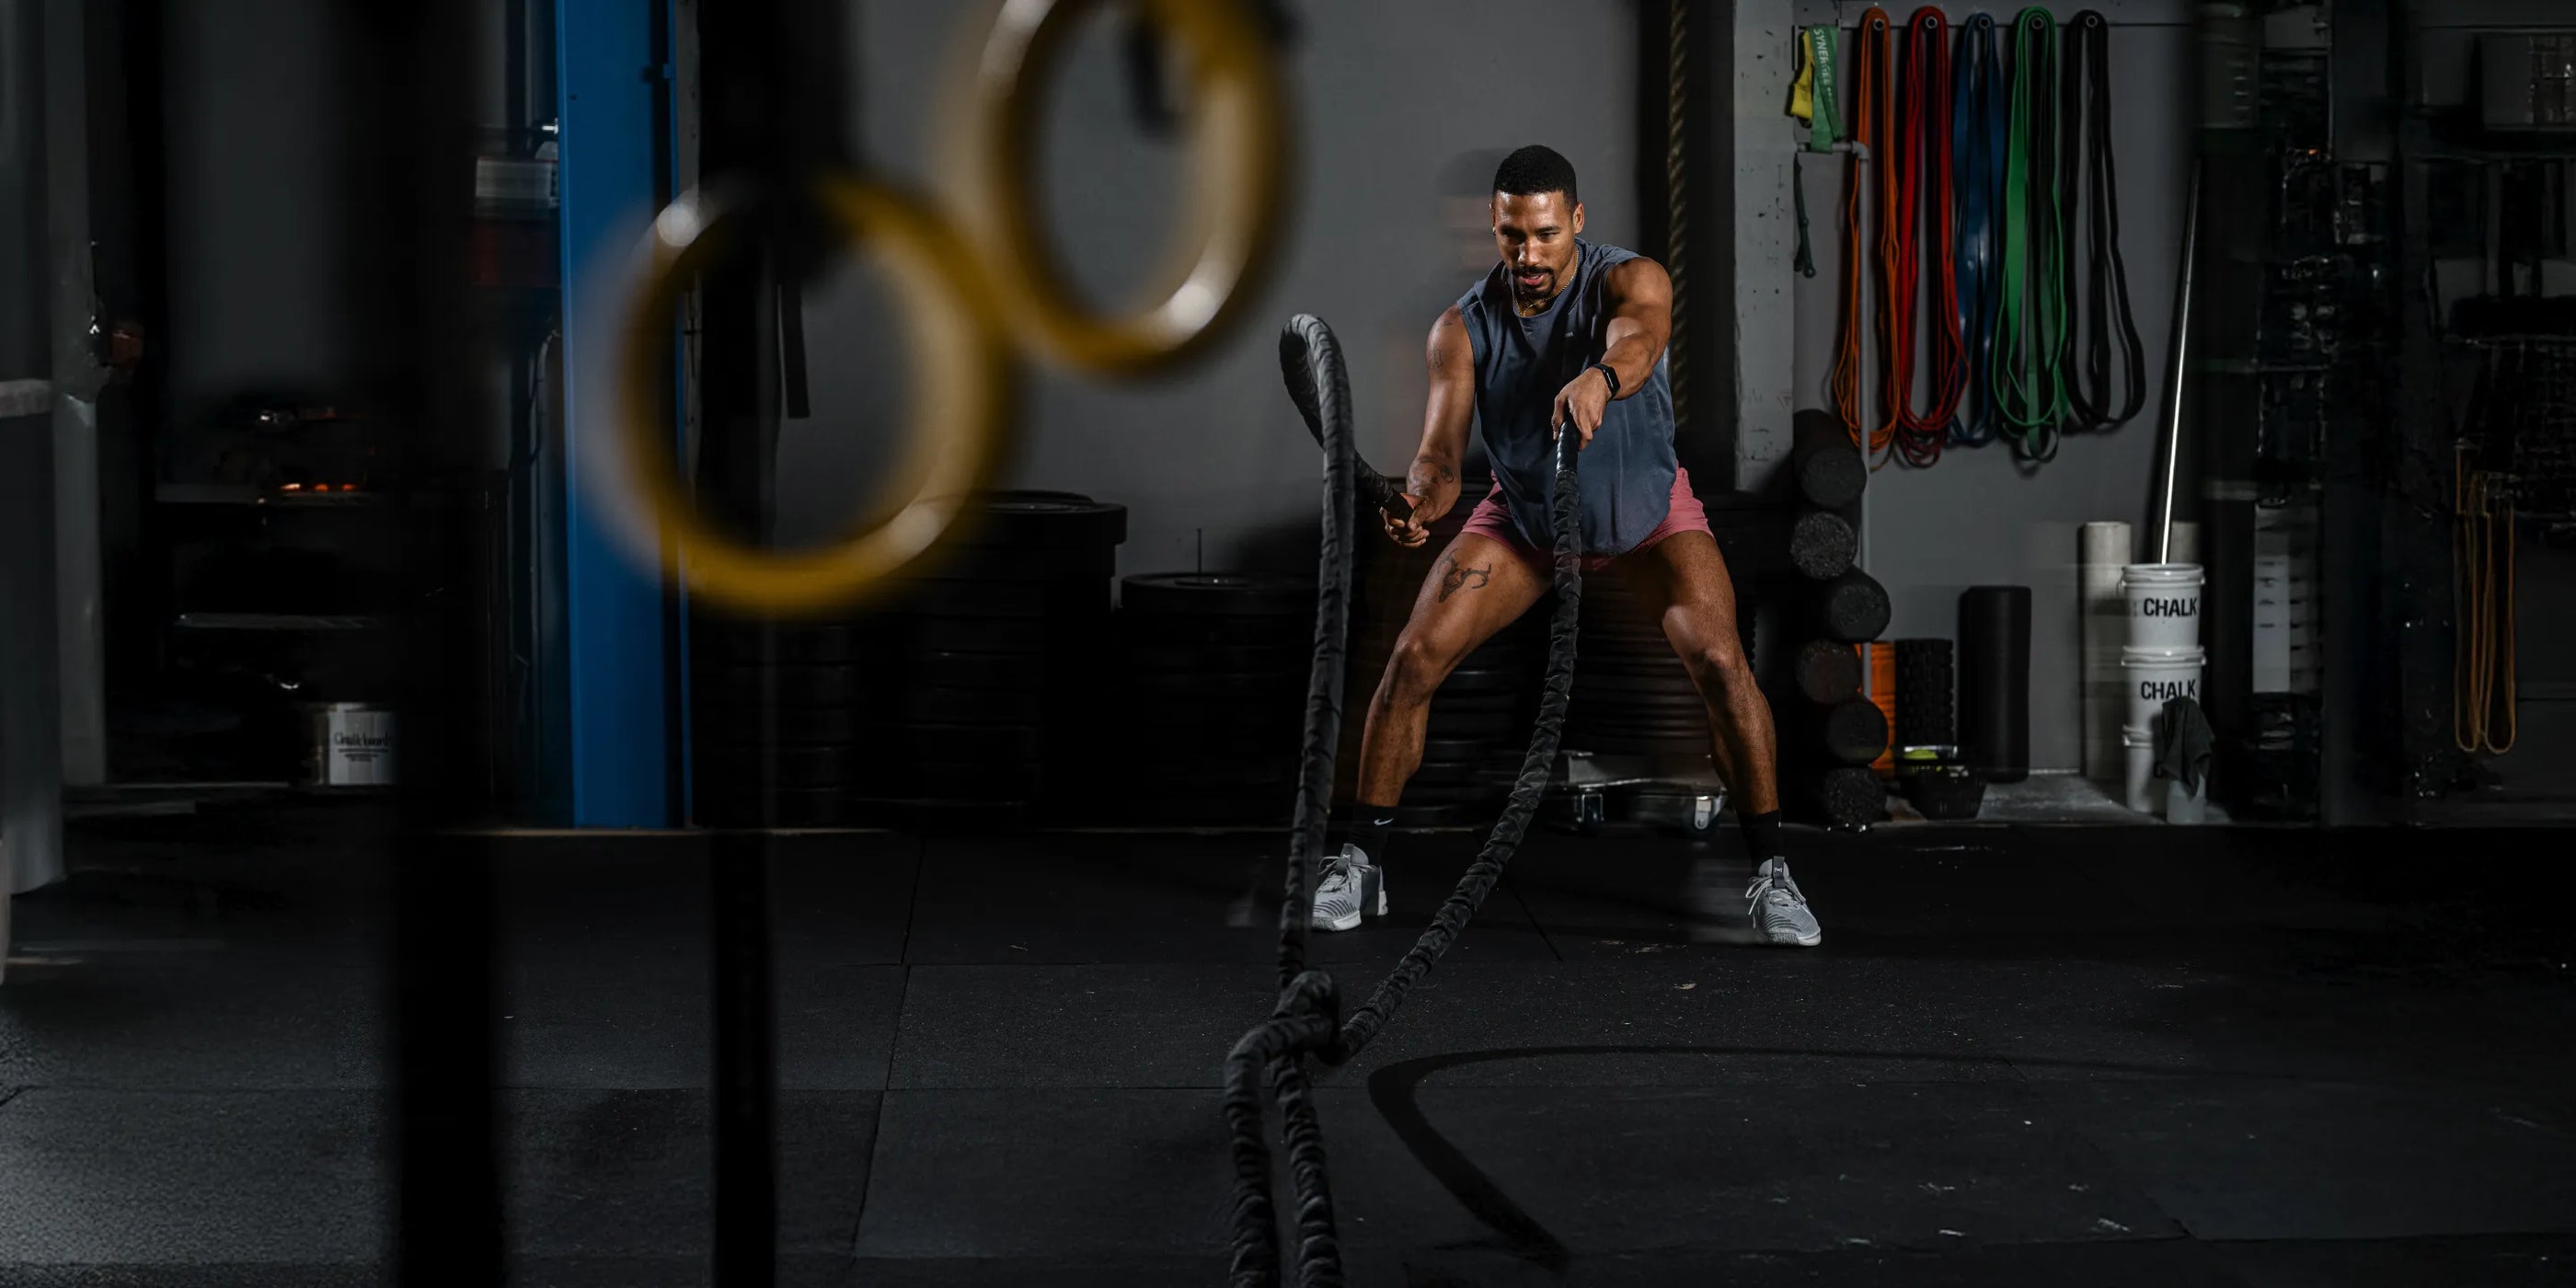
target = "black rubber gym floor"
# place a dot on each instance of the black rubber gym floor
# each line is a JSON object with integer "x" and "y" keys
{"x": 2024, "y": 1056}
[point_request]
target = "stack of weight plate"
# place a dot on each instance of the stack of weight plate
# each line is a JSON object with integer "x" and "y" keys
{"x": 989, "y": 696}
{"x": 1478, "y": 730}
{"x": 1212, "y": 679}
{"x": 1479, "y": 723}
{"x": 777, "y": 727}
{"x": 1632, "y": 694}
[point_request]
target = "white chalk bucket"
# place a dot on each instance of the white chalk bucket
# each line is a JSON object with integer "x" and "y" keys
{"x": 2154, "y": 677}
{"x": 2102, "y": 551}
{"x": 2186, "y": 808}
{"x": 2139, "y": 745}
{"x": 2164, "y": 605}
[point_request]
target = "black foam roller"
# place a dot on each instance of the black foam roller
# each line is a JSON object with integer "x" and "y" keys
{"x": 1828, "y": 672}
{"x": 1855, "y": 608}
{"x": 1926, "y": 693}
{"x": 1994, "y": 681}
{"x": 1823, "y": 544}
{"x": 1829, "y": 467}
{"x": 1855, "y": 732}
{"x": 1851, "y": 796}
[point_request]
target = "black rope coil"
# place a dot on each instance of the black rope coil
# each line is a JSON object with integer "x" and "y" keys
{"x": 1307, "y": 1020}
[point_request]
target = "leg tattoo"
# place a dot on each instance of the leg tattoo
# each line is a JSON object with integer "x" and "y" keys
{"x": 1455, "y": 577}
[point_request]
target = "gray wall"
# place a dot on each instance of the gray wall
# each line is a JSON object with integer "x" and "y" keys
{"x": 1975, "y": 518}
{"x": 1400, "y": 109}
{"x": 254, "y": 201}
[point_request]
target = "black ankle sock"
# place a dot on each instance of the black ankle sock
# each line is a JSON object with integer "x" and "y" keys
{"x": 1761, "y": 834}
{"x": 1369, "y": 828}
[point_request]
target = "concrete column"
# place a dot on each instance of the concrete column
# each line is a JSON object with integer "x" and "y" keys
{"x": 31, "y": 821}
{"x": 1759, "y": 57}
{"x": 77, "y": 381}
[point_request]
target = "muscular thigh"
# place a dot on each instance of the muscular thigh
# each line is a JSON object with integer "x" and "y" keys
{"x": 1685, "y": 577}
{"x": 1476, "y": 588}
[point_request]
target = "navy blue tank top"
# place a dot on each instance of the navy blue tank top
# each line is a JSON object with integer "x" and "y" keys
{"x": 1626, "y": 475}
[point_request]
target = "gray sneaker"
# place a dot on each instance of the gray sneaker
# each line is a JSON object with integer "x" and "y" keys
{"x": 1351, "y": 886}
{"x": 1779, "y": 909}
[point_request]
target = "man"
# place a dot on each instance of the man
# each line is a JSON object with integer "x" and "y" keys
{"x": 1563, "y": 336}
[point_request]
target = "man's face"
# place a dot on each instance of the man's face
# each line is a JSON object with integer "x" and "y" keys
{"x": 1535, "y": 234}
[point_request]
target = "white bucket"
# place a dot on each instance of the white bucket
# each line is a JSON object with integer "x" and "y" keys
{"x": 2154, "y": 677}
{"x": 2164, "y": 605}
{"x": 351, "y": 745}
{"x": 2139, "y": 746}
{"x": 2103, "y": 550}
{"x": 2186, "y": 808}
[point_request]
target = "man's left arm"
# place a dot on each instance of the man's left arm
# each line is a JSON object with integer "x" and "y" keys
{"x": 1639, "y": 297}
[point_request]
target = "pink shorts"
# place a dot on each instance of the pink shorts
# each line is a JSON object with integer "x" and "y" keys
{"x": 1493, "y": 519}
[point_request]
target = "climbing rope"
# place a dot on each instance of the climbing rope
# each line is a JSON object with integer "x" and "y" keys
{"x": 2090, "y": 171}
{"x": 1924, "y": 238}
{"x": 1868, "y": 131}
{"x": 2483, "y": 690}
{"x": 1977, "y": 142}
{"x": 1677, "y": 209}
{"x": 2030, "y": 327}
{"x": 1307, "y": 1019}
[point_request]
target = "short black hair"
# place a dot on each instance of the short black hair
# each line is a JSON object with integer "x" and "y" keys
{"x": 1536, "y": 169}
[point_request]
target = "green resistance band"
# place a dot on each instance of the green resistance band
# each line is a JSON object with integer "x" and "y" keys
{"x": 2030, "y": 388}
{"x": 1824, "y": 52}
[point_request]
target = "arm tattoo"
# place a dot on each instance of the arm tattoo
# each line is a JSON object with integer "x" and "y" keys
{"x": 1439, "y": 469}
{"x": 1456, "y": 577}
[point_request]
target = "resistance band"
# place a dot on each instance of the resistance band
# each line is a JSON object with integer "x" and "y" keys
{"x": 1308, "y": 1018}
{"x": 2030, "y": 325}
{"x": 1817, "y": 97}
{"x": 1977, "y": 141}
{"x": 1817, "y": 101}
{"x": 1868, "y": 134}
{"x": 2483, "y": 692}
{"x": 1923, "y": 209}
{"x": 2088, "y": 161}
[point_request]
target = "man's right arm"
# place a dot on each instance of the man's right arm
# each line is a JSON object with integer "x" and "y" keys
{"x": 1432, "y": 482}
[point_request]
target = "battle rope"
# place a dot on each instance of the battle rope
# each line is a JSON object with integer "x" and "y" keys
{"x": 1869, "y": 77}
{"x": 1977, "y": 143}
{"x": 2029, "y": 383}
{"x": 2086, "y": 122}
{"x": 1924, "y": 211}
{"x": 1307, "y": 1017}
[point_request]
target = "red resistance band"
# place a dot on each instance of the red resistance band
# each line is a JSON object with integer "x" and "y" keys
{"x": 1917, "y": 202}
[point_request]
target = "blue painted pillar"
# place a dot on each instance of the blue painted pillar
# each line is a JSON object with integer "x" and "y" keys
{"x": 618, "y": 640}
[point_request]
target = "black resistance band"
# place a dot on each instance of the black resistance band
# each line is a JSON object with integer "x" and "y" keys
{"x": 1978, "y": 138}
{"x": 2086, "y": 119}
{"x": 1307, "y": 1019}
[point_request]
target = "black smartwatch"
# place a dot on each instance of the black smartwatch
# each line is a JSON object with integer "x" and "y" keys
{"x": 1607, "y": 373}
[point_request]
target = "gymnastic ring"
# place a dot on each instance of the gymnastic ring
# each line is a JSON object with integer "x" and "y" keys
{"x": 1238, "y": 144}
{"x": 962, "y": 402}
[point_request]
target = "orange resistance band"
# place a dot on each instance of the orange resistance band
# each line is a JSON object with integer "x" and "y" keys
{"x": 1869, "y": 134}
